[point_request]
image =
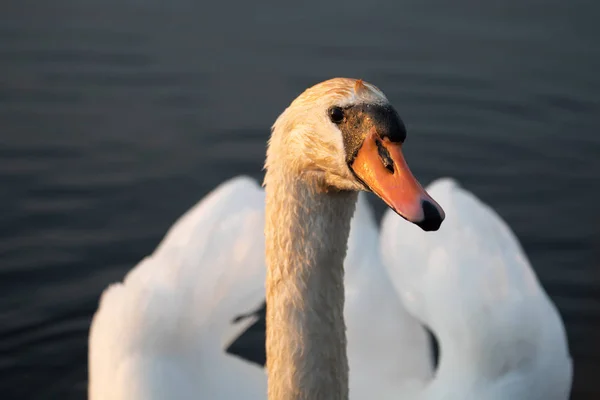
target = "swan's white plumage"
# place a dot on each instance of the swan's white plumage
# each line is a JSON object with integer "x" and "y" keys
{"x": 161, "y": 334}
{"x": 500, "y": 335}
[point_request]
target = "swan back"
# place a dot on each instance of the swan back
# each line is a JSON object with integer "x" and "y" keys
{"x": 472, "y": 284}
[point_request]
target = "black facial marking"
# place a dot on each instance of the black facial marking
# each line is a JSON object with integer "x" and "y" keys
{"x": 384, "y": 154}
{"x": 358, "y": 120}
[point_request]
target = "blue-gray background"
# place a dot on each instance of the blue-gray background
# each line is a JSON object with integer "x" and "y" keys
{"x": 117, "y": 116}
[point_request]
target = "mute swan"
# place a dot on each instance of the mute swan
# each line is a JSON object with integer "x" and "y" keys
{"x": 337, "y": 138}
{"x": 162, "y": 333}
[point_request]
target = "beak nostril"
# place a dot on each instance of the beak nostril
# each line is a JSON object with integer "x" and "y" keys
{"x": 384, "y": 155}
{"x": 432, "y": 218}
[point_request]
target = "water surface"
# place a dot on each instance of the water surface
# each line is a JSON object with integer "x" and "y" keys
{"x": 116, "y": 117}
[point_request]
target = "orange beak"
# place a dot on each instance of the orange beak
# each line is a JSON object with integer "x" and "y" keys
{"x": 380, "y": 164}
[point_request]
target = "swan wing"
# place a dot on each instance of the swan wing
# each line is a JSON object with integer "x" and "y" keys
{"x": 161, "y": 333}
{"x": 472, "y": 283}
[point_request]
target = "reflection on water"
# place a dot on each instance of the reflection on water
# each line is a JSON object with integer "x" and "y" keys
{"x": 116, "y": 117}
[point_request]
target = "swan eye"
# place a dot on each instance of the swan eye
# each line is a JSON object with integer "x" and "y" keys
{"x": 336, "y": 115}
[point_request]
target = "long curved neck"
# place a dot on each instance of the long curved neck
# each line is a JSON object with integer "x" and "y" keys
{"x": 306, "y": 236}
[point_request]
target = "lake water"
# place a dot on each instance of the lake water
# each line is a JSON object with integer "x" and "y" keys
{"x": 116, "y": 117}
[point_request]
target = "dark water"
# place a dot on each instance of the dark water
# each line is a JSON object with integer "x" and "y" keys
{"x": 115, "y": 117}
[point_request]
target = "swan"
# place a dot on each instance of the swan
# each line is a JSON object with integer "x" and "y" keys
{"x": 337, "y": 138}
{"x": 164, "y": 331}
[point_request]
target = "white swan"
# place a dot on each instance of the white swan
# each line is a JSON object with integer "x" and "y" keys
{"x": 162, "y": 333}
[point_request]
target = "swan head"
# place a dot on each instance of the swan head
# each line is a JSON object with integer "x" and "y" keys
{"x": 344, "y": 135}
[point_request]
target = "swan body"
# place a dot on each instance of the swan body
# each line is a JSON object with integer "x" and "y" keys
{"x": 340, "y": 322}
{"x": 163, "y": 331}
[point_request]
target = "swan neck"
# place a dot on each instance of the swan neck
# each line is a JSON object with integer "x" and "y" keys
{"x": 306, "y": 234}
